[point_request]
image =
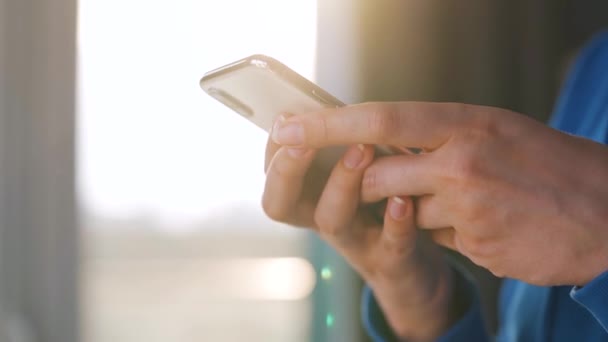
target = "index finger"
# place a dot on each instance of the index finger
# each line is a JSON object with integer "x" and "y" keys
{"x": 406, "y": 124}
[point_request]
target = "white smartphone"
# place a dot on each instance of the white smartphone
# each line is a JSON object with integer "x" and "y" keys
{"x": 259, "y": 88}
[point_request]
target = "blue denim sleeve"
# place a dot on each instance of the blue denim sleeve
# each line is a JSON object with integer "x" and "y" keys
{"x": 470, "y": 327}
{"x": 594, "y": 297}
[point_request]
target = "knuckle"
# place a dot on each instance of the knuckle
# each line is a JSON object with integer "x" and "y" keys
{"x": 384, "y": 120}
{"x": 465, "y": 168}
{"x": 497, "y": 272}
{"x": 478, "y": 246}
{"x": 467, "y": 162}
{"x": 481, "y": 121}
{"x": 460, "y": 108}
{"x": 487, "y": 125}
{"x": 320, "y": 130}
{"x": 371, "y": 183}
{"x": 396, "y": 249}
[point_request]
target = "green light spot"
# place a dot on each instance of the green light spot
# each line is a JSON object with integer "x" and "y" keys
{"x": 326, "y": 273}
{"x": 329, "y": 320}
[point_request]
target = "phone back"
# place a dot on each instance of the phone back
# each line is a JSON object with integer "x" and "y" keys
{"x": 260, "y": 88}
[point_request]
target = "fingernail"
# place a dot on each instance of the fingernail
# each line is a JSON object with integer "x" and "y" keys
{"x": 297, "y": 152}
{"x": 354, "y": 157}
{"x": 398, "y": 208}
{"x": 288, "y": 133}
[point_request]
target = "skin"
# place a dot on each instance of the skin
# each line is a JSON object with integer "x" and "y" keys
{"x": 515, "y": 196}
{"x": 407, "y": 272}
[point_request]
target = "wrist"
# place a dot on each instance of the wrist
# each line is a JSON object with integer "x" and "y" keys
{"x": 421, "y": 312}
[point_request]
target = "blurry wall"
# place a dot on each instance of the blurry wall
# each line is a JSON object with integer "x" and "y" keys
{"x": 501, "y": 53}
{"x": 507, "y": 53}
{"x": 38, "y": 236}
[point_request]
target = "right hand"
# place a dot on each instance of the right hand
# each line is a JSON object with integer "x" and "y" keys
{"x": 408, "y": 274}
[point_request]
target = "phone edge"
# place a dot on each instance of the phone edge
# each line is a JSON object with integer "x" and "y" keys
{"x": 280, "y": 69}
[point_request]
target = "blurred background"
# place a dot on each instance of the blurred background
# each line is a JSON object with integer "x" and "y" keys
{"x": 129, "y": 200}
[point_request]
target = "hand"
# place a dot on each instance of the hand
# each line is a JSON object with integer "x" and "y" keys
{"x": 516, "y": 197}
{"x": 409, "y": 276}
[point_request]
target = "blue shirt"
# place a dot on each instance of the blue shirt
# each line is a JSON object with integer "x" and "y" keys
{"x": 535, "y": 313}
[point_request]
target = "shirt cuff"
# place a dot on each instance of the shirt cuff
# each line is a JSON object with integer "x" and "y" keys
{"x": 594, "y": 297}
{"x": 469, "y": 328}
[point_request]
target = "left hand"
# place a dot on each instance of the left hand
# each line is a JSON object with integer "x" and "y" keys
{"x": 516, "y": 197}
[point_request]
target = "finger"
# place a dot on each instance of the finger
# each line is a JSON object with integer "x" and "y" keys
{"x": 399, "y": 231}
{"x": 410, "y": 175}
{"x": 445, "y": 237}
{"x": 410, "y": 124}
{"x": 339, "y": 200}
{"x": 271, "y": 150}
{"x": 431, "y": 213}
{"x": 284, "y": 181}
{"x": 271, "y": 146}
{"x": 452, "y": 239}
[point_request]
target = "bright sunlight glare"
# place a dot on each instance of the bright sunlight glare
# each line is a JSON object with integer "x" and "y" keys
{"x": 150, "y": 141}
{"x": 284, "y": 278}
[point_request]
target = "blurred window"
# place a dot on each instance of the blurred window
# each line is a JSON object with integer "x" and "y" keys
{"x": 175, "y": 245}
